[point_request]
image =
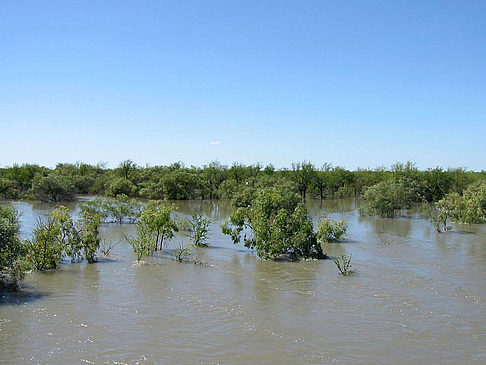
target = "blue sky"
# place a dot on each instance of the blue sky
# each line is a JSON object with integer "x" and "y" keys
{"x": 355, "y": 83}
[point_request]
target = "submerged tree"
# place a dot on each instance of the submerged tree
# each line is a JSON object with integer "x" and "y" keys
{"x": 329, "y": 230}
{"x": 58, "y": 236}
{"x": 154, "y": 228}
{"x": 275, "y": 224}
{"x": 12, "y": 249}
{"x": 387, "y": 196}
{"x": 199, "y": 229}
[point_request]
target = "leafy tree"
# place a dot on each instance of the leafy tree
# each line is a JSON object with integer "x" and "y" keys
{"x": 213, "y": 176}
{"x": 121, "y": 209}
{"x": 329, "y": 230}
{"x": 471, "y": 207}
{"x": 58, "y": 236}
{"x": 387, "y": 196}
{"x": 304, "y": 175}
{"x": 53, "y": 188}
{"x": 90, "y": 235}
{"x": 275, "y": 224}
{"x": 46, "y": 249}
{"x": 12, "y": 249}
{"x": 121, "y": 186}
{"x": 199, "y": 229}
{"x": 126, "y": 167}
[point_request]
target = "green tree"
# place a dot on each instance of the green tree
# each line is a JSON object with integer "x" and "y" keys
{"x": 199, "y": 229}
{"x": 303, "y": 174}
{"x": 12, "y": 249}
{"x": 387, "y": 196}
{"x": 90, "y": 235}
{"x": 329, "y": 230}
{"x": 154, "y": 228}
{"x": 275, "y": 224}
{"x": 53, "y": 188}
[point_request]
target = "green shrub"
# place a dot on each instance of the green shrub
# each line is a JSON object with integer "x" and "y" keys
{"x": 53, "y": 188}
{"x": 154, "y": 228}
{"x": 275, "y": 224}
{"x": 12, "y": 249}
{"x": 181, "y": 252}
{"x": 58, "y": 236}
{"x": 329, "y": 230}
{"x": 385, "y": 197}
{"x": 199, "y": 229}
{"x": 121, "y": 209}
{"x": 344, "y": 266}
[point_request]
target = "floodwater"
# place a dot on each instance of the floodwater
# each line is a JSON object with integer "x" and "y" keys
{"x": 417, "y": 297}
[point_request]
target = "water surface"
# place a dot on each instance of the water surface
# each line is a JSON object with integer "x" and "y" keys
{"x": 419, "y": 298}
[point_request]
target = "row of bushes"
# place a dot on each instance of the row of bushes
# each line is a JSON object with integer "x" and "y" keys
{"x": 275, "y": 223}
{"x": 219, "y": 181}
{"x": 55, "y": 237}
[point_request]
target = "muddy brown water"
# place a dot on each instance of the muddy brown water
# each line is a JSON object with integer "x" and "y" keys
{"x": 420, "y": 297}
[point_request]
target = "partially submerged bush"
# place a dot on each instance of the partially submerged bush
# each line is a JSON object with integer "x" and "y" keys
{"x": 121, "y": 209}
{"x": 12, "y": 249}
{"x": 181, "y": 252}
{"x": 199, "y": 229}
{"x": 329, "y": 230}
{"x": 386, "y": 197}
{"x": 154, "y": 228}
{"x": 275, "y": 224}
{"x": 468, "y": 208}
{"x": 58, "y": 236}
{"x": 344, "y": 266}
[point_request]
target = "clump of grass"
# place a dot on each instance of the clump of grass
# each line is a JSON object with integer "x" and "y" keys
{"x": 107, "y": 246}
{"x": 344, "y": 265}
{"x": 181, "y": 253}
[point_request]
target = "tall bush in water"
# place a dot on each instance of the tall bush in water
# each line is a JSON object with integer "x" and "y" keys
{"x": 275, "y": 224}
{"x": 387, "y": 196}
{"x": 12, "y": 249}
{"x": 154, "y": 228}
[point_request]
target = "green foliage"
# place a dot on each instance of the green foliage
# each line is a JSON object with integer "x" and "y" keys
{"x": 53, "y": 188}
{"x": 90, "y": 235}
{"x": 304, "y": 175}
{"x": 181, "y": 252}
{"x": 154, "y": 228}
{"x": 468, "y": 208}
{"x": 58, "y": 236}
{"x": 344, "y": 266}
{"x": 387, "y": 196}
{"x": 329, "y": 230}
{"x": 46, "y": 248}
{"x": 275, "y": 224}
{"x": 238, "y": 182}
{"x": 158, "y": 221}
{"x": 473, "y": 208}
{"x": 121, "y": 209}
{"x": 199, "y": 229}
{"x": 12, "y": 249}
{"x": 120, "y": 186}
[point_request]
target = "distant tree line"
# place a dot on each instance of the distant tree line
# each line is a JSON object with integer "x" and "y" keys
{"x": 217, "y": 181}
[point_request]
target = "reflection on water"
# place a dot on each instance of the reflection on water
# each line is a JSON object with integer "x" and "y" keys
{"x": 419, "y": 299}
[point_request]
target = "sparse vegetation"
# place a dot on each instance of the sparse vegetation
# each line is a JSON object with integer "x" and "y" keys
{"x": 181, "y": 252}
{"x": 199, "y": 229}
{"x": 344, "y": 265}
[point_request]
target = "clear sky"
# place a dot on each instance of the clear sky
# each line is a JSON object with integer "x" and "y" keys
{"x": 355, "y": 83}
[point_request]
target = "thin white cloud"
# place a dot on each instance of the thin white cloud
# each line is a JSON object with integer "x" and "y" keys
{"x": 217, "y": 142}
